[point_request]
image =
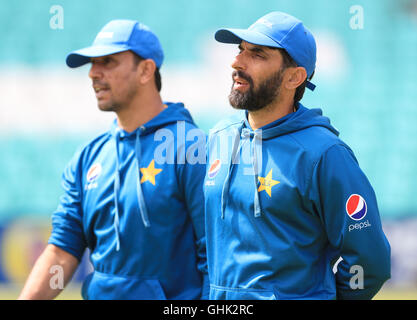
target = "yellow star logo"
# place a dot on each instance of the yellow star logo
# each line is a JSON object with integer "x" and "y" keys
{"x": 267, "y": 183}
{"x": 149, "y": 173}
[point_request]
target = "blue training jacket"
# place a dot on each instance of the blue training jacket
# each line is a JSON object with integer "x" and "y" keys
{"x": 136, "y": 201}
{"x": 283, "y": 204}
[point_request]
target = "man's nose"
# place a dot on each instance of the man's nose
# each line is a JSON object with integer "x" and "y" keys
{"x": 95, "y": 71}
{"x": 239, "y": 62}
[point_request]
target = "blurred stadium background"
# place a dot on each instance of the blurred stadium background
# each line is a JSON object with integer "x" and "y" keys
{"x": 365, "y": 77}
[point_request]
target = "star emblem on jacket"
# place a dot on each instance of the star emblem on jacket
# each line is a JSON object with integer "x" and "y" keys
{"x": 267, "y": 183}
{"x": 149, "y": 173}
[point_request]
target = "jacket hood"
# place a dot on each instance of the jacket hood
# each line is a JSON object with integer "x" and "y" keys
{"x": 301, "y": 119}
{"x": 173, "y": 113}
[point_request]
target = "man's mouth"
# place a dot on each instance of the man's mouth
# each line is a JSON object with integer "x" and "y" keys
{"x": 241, "y": 81}
{"x": 100, "y": 90}
{"x": 240, "y": 84}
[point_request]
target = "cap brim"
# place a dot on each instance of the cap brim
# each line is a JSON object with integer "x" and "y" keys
{"x": 80, "y": 57}
{"x": 251, "y": 36}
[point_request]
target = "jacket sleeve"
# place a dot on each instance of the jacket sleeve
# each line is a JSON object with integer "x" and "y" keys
{"x": 347, "y": 205}
{"x": 67, "y": 231}
{"x": 192, "y": 179}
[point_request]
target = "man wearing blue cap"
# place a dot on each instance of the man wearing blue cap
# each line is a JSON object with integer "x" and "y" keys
{"x": 289, "y": 213}
{"x": 137, "y": 208}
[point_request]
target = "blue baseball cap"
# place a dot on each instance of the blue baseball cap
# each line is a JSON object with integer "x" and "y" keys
{"x": 118, "y": 36}
{"x": 278, "y": 30}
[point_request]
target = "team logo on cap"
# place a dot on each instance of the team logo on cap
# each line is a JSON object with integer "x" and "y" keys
{"x": 105, "y": 35}
{"x": 265, "y": 22}
{"x": 94, "y": 172}
{"x": 356, "y": 207}
{"x": 214, "y": 168}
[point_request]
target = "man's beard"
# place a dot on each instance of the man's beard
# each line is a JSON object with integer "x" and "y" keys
{"x": 255, "y": 99}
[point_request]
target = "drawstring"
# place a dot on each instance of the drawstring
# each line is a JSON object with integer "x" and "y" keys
{"x": 245, "y": 134}
{"x": 116, "y": 192}
{"x": 256, "y": 143}
{"x": 226, "y": 184}
{"x": 141, "y": 199}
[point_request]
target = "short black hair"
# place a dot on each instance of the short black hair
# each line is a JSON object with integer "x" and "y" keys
{"x": 157, "y": 74}
{"x": 289, "y": 62}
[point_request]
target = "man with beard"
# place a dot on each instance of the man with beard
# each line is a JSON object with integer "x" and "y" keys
{"x": 289, "y": 212}
{"x": 140, "y": 213}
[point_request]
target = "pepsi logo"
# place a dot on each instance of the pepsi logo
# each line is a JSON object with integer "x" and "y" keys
{"x": 356, "y": 207}
{"x": 214, "y": 168}
{"x": 94, "y": 172}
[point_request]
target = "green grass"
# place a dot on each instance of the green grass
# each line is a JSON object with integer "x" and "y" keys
{"x": 396, "y": 294}
{"x": 74, "y": 293}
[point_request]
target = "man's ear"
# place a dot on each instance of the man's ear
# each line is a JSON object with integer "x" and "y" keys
{"x": 146, "y": 70}
{"x": 295, "y": 77}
